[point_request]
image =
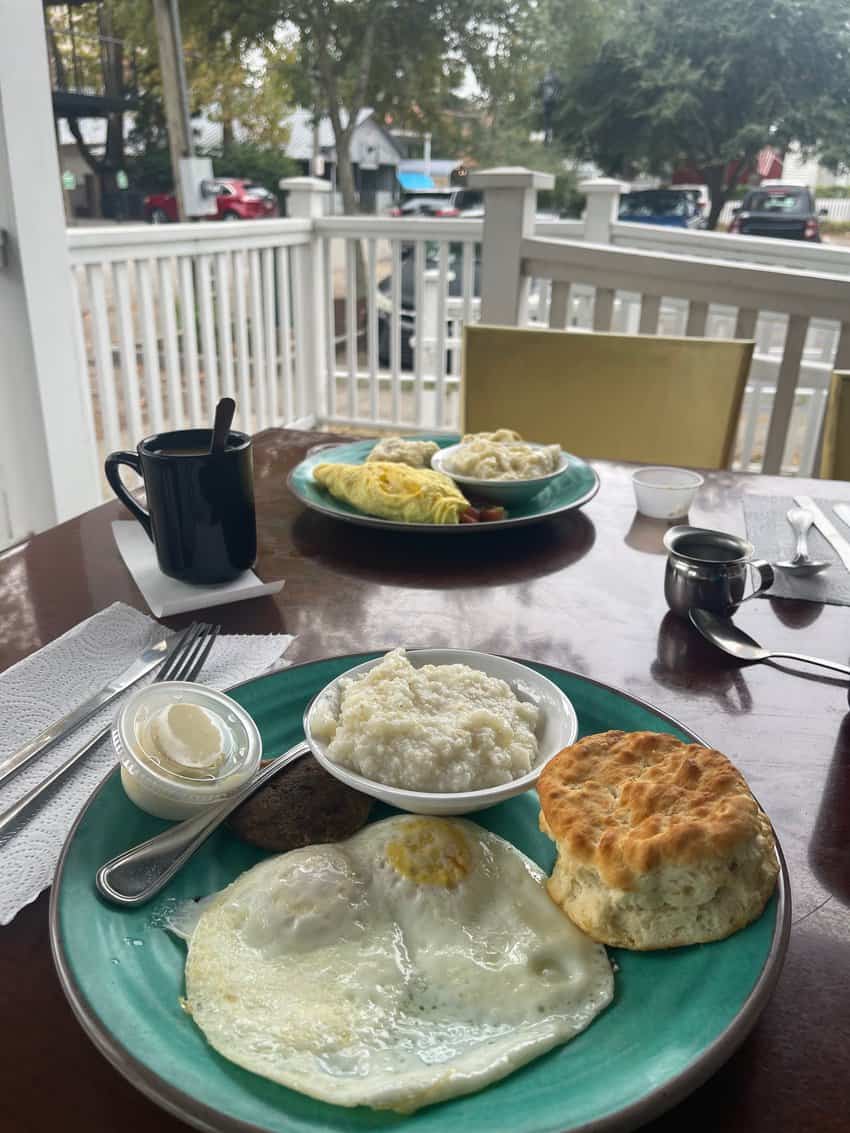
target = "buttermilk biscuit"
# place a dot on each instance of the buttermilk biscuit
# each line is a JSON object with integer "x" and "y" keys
{"x": 660, "y": 843}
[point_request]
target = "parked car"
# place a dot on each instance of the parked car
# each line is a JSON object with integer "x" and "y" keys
{"x": 442, "y": 202}
{"x": 235, "y": 200}
{"x": 672, "y": 208}
{"x": 776, "y": 209}
{"x": 700, "y": 195}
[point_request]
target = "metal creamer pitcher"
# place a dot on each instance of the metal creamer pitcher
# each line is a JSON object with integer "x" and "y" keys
{"x": 709, "y": 570}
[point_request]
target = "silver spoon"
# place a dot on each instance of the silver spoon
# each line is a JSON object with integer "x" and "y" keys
{"x": 802, "y": 564}
{"x": 135, "y": 876}
{"x": 723, "y": 633}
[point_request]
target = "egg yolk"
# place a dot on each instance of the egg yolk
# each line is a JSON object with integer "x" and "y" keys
{"x": 429, "y": 851}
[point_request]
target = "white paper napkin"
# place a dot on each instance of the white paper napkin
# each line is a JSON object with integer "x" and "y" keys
{"x": 42, "y": 688}
{"x": 166, "y": 596}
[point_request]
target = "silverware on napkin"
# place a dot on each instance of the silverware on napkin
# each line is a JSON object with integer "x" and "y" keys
{"x": 827, "y": 528}
{"x": 184, "y": 663}
{"x": 149, "y": 659}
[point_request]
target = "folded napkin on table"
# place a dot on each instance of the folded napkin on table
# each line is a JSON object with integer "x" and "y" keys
{"x": 40, "y": 689}
{"x": 770, "y": 533}
{"x": 166, "y": 596}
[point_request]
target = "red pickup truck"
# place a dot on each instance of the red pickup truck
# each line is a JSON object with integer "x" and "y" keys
{"x": 235, "y": 200}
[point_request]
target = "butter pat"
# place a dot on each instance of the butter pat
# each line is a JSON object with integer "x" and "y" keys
{"x": 184, "y": 747}
{"x": 186, "y": 737}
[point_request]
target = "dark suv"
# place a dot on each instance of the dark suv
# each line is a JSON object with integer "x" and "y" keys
{"x": 785, "y": 211}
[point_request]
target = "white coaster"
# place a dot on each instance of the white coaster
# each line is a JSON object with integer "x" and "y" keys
{"x": 167, "y": 596}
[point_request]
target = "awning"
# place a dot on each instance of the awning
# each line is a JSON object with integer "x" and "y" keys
{"x": 415, "y": 182}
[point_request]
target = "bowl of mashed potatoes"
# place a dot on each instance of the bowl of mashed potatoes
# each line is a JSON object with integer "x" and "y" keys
{"x": 439, "y": 731}
{"x": 501, "y": 466}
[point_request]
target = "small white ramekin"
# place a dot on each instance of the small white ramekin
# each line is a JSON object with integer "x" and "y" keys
{"x": 665, "y": 493}
{"x": 163, "y": 793}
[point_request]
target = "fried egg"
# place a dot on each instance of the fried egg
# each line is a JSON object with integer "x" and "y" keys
{"x": 419, "y": 960}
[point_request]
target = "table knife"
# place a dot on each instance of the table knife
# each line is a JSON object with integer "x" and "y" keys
{"x": 152, "y": 656}
{"x": 827, "y": 529}
{"x": 843, "y": 512}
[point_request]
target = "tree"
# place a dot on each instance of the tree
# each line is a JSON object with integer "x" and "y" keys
{"x": 399, "y": 57}
{"x": 707, "y": 86}
{"x": 96, "y": 63}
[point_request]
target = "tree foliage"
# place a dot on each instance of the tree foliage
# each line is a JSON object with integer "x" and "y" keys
{"x": 708, "y": 85}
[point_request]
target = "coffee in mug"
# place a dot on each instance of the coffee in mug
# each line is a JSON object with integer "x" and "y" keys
{"x": 200, "y": 514}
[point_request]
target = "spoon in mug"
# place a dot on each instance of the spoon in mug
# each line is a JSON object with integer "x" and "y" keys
{"x": 224, "y": 412}
{"x": 802, "y": 564}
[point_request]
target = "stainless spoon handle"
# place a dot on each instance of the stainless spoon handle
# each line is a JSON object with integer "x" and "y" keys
{"x": 834, "y": 665}
{"x": 135, "y": 876}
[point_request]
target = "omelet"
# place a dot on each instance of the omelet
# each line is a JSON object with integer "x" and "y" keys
{"x": 394, "y": 491}
{"x": 419, "y": 960}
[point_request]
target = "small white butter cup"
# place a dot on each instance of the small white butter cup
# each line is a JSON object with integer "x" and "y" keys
{"x": 161, "y": 791}
{"x": 665, "y": 493}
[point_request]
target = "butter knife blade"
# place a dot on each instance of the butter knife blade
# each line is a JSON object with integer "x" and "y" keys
{"x": 843, "y": 512}
{"x": 827, "y": 529}
{"x": 154, "y": 655}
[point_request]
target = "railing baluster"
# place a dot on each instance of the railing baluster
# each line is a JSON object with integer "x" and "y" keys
{"x": 104, "y": 369}
{"x": 271, "y": 338}
{"x": 285, "y": 334}
{"x": 225, "y": 334}
{"x": 440, "y": 356}
{"x": 330, "y": 327}
{"x": 745, "y": 323}
{"x": 749, "y": 422}
{"x": 697, "y": 316}
{"x": 190, "y": 369}
{"x": 351, "y": 251}
{"x": 419, "y": 308}
{"x": 372, "y": 328}
{"x": 127, "y": 344}
{"x": 559, "y": 305}
{"x": 150, "y": 348}
{"x": 783, "y": 401}
{"x": 650, "y": 309}
{"x": 395, "y": 330}
{"x": 300, "y": 328}
{"x": 258, "y": 340}
{"x": 240, "y": 311}
{"x": 814, "y": 421}
{"x": 603, "y": 308}
{"x": 169, "y": 334}
{"x": 208, "y": 335}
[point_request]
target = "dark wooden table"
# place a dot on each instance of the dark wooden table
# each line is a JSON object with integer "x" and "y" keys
{"x": 583, "y": 592}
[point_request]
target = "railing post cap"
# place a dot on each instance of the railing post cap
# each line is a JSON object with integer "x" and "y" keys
{"x": 603, "y": 185}
{"x": 304, "y": 185}
{"x": 511, "y": 177}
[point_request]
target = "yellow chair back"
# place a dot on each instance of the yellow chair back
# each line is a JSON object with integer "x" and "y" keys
{"x": 835, "y": 455}
{"x": 618, "y": 397}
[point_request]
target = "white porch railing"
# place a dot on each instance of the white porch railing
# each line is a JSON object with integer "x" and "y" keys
{"x": 357, "y": 320}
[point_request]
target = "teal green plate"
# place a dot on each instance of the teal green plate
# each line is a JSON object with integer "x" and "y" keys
{"x": 676, "y": 1015}
{"x": 578, "y": 484}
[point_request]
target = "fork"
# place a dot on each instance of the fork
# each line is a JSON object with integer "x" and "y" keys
{"x": 183, "y": 663}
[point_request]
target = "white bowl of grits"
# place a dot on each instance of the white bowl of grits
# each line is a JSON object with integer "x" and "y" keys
{"x": 501, "y": 466}
{"x": 439, "y": 731}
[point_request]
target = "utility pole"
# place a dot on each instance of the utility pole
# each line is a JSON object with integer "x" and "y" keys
{"x": 174, "y": 92}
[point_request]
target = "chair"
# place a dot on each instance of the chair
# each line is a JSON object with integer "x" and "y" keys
{"x": 619, "y": 397}
{"x": 835, "y": 455}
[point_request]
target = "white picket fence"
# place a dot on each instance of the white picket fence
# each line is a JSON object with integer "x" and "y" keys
{"x": 357, "y": 321}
